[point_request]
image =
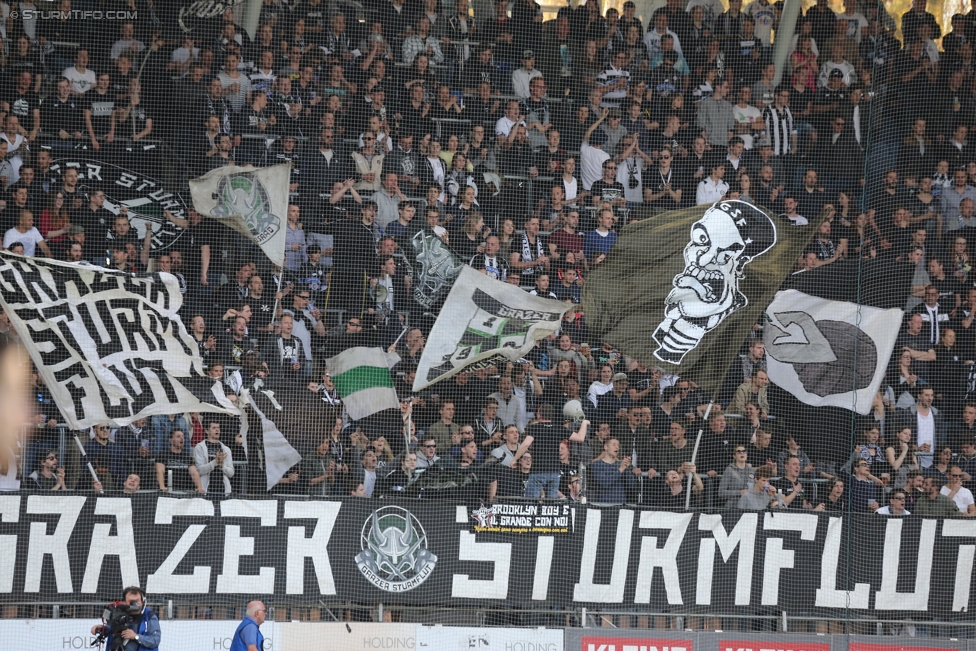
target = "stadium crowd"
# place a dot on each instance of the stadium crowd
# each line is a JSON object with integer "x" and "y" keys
{"x": 523, "y": 145}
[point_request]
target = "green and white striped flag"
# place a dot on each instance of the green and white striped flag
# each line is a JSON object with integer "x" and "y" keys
{"x": 362, "y": 378}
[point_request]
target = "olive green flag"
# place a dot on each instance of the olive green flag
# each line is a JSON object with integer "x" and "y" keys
{"x": 681, "y": 290}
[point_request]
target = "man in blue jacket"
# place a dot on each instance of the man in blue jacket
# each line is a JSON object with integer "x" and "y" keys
{"x": 144, "y": 632}
{"x": 248, "y": 636}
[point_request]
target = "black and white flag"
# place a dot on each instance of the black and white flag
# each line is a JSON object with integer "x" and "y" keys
{"x": 109, "y": 345}
{"x": 484, "y": 322}
{"x": 829, "y": 335}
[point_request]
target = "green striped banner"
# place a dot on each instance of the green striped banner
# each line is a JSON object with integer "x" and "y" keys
{"x": 362, "y": 377}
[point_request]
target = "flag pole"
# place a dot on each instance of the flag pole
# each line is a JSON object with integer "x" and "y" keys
{"x": 694, "y": 452}
{"x": 84, "y": 455}
{"x": 397, "y": 340}
{"x": 408, "y": 427}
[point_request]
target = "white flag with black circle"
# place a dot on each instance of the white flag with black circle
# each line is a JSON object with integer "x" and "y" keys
{"x": 826, "y": 352}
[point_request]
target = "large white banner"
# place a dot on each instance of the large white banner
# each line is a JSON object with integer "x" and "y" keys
{"x": 110, "y": 345}
{"x": 484, "y": 322}
{"x": 829, "y": 353}
{"x": 251, "y": 200}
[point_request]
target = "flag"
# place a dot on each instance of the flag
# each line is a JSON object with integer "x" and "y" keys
{"x": 362, "y": 378}
{"x": 139, "y": 186}
{"x": 279, "y": 455}
{"x": 682, "y": 290}
{"x": 434, "y": 267}
{"x": 251, "y": 200}
{"x": 110, "y": 345}
{"x": 195, "y": 15}
{"x": 830, "y": 332}
{"x": 484, "y": 322}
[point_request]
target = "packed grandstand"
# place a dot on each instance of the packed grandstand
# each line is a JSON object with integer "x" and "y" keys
{"x": 517, "y": 140}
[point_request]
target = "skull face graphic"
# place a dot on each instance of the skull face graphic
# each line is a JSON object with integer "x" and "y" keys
{"x": 728, "y": 236}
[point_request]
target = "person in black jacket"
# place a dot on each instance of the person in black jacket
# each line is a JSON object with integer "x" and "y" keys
{"x": 353, "y": 260}
{"x": 397, "y": 481}
{"x": 322, "y": 167}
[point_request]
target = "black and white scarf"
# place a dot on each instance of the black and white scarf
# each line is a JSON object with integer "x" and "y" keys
{"x": 827, "y": 249}
{"x": 527, "y": 253}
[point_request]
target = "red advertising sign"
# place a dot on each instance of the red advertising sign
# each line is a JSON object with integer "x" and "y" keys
{"x": 779, "y": 643}
{"x": 601, "y": 643}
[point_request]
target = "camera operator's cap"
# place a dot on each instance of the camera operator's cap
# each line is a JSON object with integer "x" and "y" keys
{"x": 528, "y": 54}
{"x": 619, "y": 376}
{"x": 836, "y": 73}
{"x": 75, "y": 229}
{"x": 765, "y": 142}
{"x": 615, "y": 113}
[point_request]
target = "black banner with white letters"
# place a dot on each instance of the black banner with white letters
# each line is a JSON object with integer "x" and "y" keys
{"x": 78, "y": 547}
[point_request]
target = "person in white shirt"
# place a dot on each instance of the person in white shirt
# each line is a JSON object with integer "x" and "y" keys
{"x": 795, "y": 218}
{"x": 652, "y": 40}
{"x": 522, "y": 76}
{"x": 507, "y": 122}
{"x": 369, "y": 471}
{"x": 713, "y": 188}
{"x": 213, "y": 460}
{"x": 748, "y": 118}
{"x": 763, "y": 12}
{"x": 961, "y": 495}
{"x": 592, "y": 155}
{"x": 505, "y": 453}
{"x": 604, "y": 384}
{"x": 926, "y": 420}
{"x": 856, "y": 21}
{"x": 896, "y": 505}
{"x": 570, "y": 182}
{"x": 82, "y": 79}
{"x": 25, "y": 233}
{"x": 128, "y": 43}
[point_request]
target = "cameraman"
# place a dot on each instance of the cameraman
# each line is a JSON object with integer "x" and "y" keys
{"x": 143, "y": 632}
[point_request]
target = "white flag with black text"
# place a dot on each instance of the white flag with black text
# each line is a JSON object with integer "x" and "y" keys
{"x": 110, "y": 345}
{"x": 484, "y": 322}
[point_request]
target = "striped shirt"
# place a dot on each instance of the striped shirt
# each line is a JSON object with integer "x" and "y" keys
{"x": 609, "y": 77}
{"x": 779, "y": 128}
